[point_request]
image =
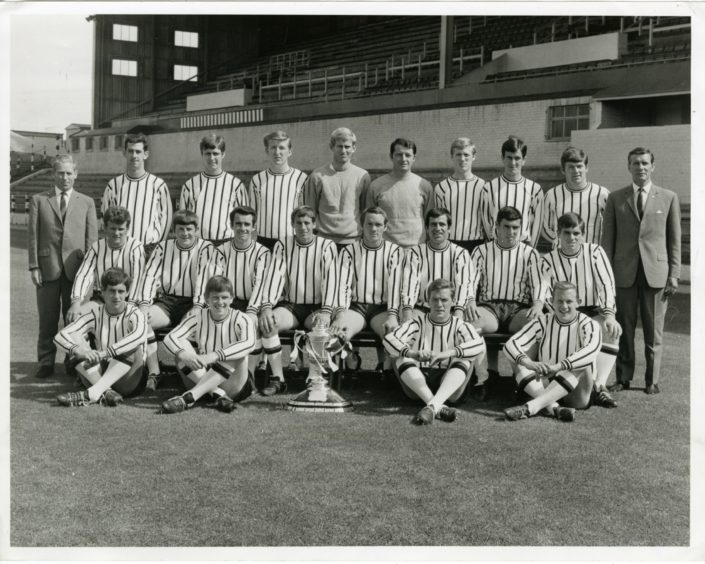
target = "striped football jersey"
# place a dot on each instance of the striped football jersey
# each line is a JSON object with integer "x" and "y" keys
{"x": 462, "y": 199}
{"x": 588, "y": 203}
{"x": 525, "y": 195}
{"x": 274, "y": 196}
{"x": 245, "y": 268}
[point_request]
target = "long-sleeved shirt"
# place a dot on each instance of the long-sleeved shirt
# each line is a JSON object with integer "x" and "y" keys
{"x": 100, "y": 257}
{"x": 424, "y": 264}
{"x": 231, "y": 338}
{"x": 338, "y": 196}
{"x": 302, "y": 274}
{"x": 148, "y": 201}
{"x": 274, "y": 196}
{"x": 425, "y": 334}
{"x": 245, "y": 268}
{"x": 405, "y": 202}
{"x": 178, "y": 272}
{"x": 118, "y": 334}
{"x": 370, "y": 276}
{"x": 506, "y": 274}
{"x": 589, "y": 270}
{"x": 212, "y": 198}
{"x": 462, "y": 199}
{"x": 525, "y": 195}
{"x": 574, "y": 345}
{"x": 589, "y": 203}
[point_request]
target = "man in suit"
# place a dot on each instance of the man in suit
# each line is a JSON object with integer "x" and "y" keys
{"x": 641, "y": 235}
{"x": 62, "y": 227}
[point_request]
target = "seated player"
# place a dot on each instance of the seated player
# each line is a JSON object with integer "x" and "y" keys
{"x": 506, "y": 289}
{"x": 437, "y": 258}
{"x": 116, "y": 250}
{"x": 460, "y": 193}
{"x": 225, "y": 338}
{"x": 213, "y": 193}
{"x": 565, "y": 344}
{"x": 586, "y": 265}
{"x": 120, "y": 332}
{"x": 369, "y": 280}
{"x": 436, "y": 338}
{"x": 300, "y": 281}
{"x": 174, "y": 280}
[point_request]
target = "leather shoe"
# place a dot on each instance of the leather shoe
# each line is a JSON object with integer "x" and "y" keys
{"x": 619, "y": 386}
{"x": 44, "y": 371}
{"x": 652, "y": 389}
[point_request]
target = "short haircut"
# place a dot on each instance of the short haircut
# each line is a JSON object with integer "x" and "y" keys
{"x": 462, "y": 143}
{"x": 113, "y": 277}
{"x": 218, "y": 284}
{"x": 117, "y": 215}
{"x": 213, "y": 141}
{"x": 573, "y": 155}
{"x": 437, "y": 212}
{"x": 564, "y": 286}
{"x": 243, "y": 210}
{"x": 278, "y": 135}
{"x": 440, "y": 284}
{"x": 185, "y": 217}
{"x": 569, "y": 221}
{"x": 402, "y": 142}
{"x": 342, "y": 133}
{"x": 376, "y": 210}
{"x": 514, "y": 144}
{"x": 509, "y": 213}
{"x": 640, "y": 151}
{"x": 63, "y": 159}
{"x": 303, "y": 211}
{"x": 132, "y": 138}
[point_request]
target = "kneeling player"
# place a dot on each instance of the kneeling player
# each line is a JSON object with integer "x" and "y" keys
{"x": 566, "y": 343}
{"x": 436, "y": 338}
{"x": 120, "y": 333}
{"x": 225, "y": 338}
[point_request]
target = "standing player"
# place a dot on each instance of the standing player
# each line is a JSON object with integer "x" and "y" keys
{"x": 460, "y": 193}
{"x": 337, "y": 191}
{"x": 436, "y": 338}
{"x": 275, "y": 192}
{"x": 567, "y": 343}
{"x": 403, "y": 195}
{"x": 175, "y": 279}
{"x": 586, "y": 266}
{"x": 300, "y": 280}
{"x": 575, "y": 195}
{"x": 144, "y": 195}
{"x": 438, "y": 258}
{"x": 512, "y": 189}
{"x": 120, "y": 331}
{"x": 116, "y": 250}
{"x": 213, "y": 193}
{"x": 225, "y": 338}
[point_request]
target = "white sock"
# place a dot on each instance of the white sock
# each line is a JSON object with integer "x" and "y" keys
{"x": 554, "y": 391}
{"x": 114, "y": 372}
{"x": 606, "y": 359}
{"x": 452, "y": 381}
{"x": 207, "y": 384}
{"x": 415, "y": 381}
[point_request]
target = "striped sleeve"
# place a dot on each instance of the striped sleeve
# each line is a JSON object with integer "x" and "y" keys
{"x": 548, "y": 279}
{"x": 536, "y": 214}
{"x": 477, "y": 272}
{"x": 84, "y": 325}
{"x": 261, "y": 265}
{"x": 486, "y": 211}
{"x": 152, "y": 275}
{"x": 471, "y": 344}
{"x": 394, "y": 281}
{"x": 109, "y": 197}
{"x": 85, "y": 276}
{"x": 411, "y": 278}
{"x": 346, "y": 279}
{"x": 137, "y": 321}
{"x": 275, "y": 276}
{"x": 550, "y": 219}
{"x": 204, "y": 272}
{"x": 398, "y": 342}
{"x": 239, "y": 195}
{"x": 535, "y": 280}
{"x": 137, "y": 266}
{"x": 604, "y": 281}
{"x": 518, "y": 345}
{"x": 245, "y": 343}
{"x": 311, "y": 192}
{"x": 164, "y": 210}
{"x": 591, "y": 340}
{"x": 184, "y": 331}
{"x": 329, "y": 282}
{"x": 462, "y": 266}
{"x": 187, "y": 200}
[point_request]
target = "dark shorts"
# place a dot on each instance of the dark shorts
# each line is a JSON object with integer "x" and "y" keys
{"x": 504, "y": 311}
{"x": 591, "y": 311}
{"x": 435, "y": 375}
{"x": 97, "y": 297}
{"x": 218, "y": 242}
{"x": 469, "y": 245}
{"x": 266, "y": 241}
{"x": 368, "y": 311}
{"x": 240, "y": 305}
{"x": 176, "y": 307}
{"x": 300, "y": 311}
{"x": 148, "y": 250}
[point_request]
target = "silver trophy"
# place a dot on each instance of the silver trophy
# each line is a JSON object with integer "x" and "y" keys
{"x": 319, "y": 347}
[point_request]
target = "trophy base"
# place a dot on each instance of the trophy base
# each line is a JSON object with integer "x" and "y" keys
{"x": 311, "y": 400}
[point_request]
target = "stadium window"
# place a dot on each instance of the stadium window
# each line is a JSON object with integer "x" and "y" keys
{"x": 118, "y": 143}
{"x": 123, "y": 67}
{"x": 562, "y": 120}
{"x": 89, "y": 143}
{"x": 185, "y": 72}
{"x": 103, "y": 142}
{"x": 75, "y": 145}
{"x": 125, "y": 32}
{"x": 186, "y": 39}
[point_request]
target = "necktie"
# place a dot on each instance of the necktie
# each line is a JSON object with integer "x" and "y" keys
{"x": 640, "y": 202}
{"x": 62, "y": 205}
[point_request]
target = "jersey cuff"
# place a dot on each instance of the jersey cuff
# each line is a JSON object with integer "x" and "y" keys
{"x": 458, "y": 308}
{"x": 404, "y": 352}
{"x": 566, "y": 364}
{"x": 111, "y": 351}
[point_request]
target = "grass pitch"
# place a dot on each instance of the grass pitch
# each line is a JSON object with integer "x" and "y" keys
{"x": 264, "y": 476}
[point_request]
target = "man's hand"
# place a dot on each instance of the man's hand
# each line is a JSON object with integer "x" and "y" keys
{"x": 535, "y": 310}
{"x": 406, "y": 314}
{"x": 471, "y": 311}
{"x": 459, "y": 313}
{"x": 36, "y": 277}
{"x": 89, "y": 355}
{"x": 253, "y": 317}
{"x": 421, "y": 355}
{"x": 267, "y": 321}
{"x": 390, "y": 324}
{"x": 540, "y": 368}
{"x": 208, "y": 359}
{"x": 144, "y": 308}
{"x": 669, "y": 290}
{"x": 74, "y": 312}
{"x": 614, "y": 330}
{"x": 441, "y": 356}
{"x": 190, "y": 359}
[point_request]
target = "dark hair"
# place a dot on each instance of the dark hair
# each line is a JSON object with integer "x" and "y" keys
{"x": 570, "y": 220}
{"x": 514, "y": 144}
{"x": 243, "y": 210}
{"x": 440, "y": 284}
{"x": 213, "y": 141}
{"x": 113, "y": 277}
{"x": 278, "y": 135}
{"x": 218, "y": 284}
{"x": 406, "y": 143}
{"x": 374, "y": 210}
{"x": 434, "y": 213}
{"x": 185, "y": 217}
{"x": 116, "y": 214}
{"x": 509, "y": 213}
{"x": 640, "y": 151}
{"x": 303, "y": 211}
{"x": 573, "y": 155}
{"x": 132, "y": 138}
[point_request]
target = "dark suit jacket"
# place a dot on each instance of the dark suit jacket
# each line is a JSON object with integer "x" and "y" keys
{"x": 55, "y": 245}
{"x": 656, "y": 239}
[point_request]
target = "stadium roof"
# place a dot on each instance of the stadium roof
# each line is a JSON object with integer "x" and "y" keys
{"x": 670, "y": 80}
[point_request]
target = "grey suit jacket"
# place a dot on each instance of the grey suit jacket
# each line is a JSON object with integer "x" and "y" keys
{"x": 656, "y": 239}
{"x": 54, "y": 245}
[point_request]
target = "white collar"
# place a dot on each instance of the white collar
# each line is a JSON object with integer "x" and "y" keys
{"x": 646, "y": 188}
{"x": 57, "y": 193}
